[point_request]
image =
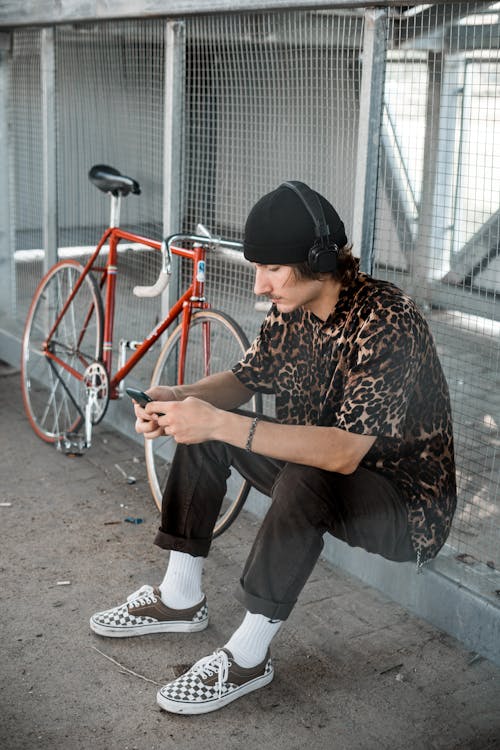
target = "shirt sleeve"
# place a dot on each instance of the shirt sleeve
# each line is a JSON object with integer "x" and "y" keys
{"x": 255, "y": 370}
{"x": 381, "y": 373}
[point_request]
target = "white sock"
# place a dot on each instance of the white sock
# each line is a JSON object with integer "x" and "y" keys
{"x": 181, "y": 587}
{"x": 249, "y": 644}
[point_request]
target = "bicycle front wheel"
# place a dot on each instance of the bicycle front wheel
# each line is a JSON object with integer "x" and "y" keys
{"x": 226, "y": 345}
{"x": 52, "y": 368}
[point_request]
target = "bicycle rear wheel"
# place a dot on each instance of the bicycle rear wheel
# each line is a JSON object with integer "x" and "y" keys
{"x": 52, "y": 390}
{"x": 227, "y": 345}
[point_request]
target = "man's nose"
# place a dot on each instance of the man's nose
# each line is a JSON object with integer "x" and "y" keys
{"x": 261, "y": 284}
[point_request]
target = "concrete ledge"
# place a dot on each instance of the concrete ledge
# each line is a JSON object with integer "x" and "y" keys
{"x": 10, "y": 348}
{"x": 459, "y": 599}
{"x": 456, "y": 598}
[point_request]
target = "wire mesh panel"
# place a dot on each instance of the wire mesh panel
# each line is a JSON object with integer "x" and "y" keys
{"x": 269, "y": 97}
{"x": 437, "y": 227}
{"x": 110, "y": 80}
{"x": 26, "y": 166}
{"x": 109, "y": 104}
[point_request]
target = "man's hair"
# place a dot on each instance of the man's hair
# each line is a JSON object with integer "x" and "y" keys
{"x": 346, "y": 272}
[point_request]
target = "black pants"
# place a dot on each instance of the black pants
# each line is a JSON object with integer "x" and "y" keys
{"x": 363, "y": 509}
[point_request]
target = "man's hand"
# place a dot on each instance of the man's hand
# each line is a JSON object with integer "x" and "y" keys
{"x": 146, "y": 424}
{"x": 189, "y": 421}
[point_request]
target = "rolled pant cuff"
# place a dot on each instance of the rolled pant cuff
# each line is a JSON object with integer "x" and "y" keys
{"x": 259, "y": 606}
{"x": 194, "y": 547}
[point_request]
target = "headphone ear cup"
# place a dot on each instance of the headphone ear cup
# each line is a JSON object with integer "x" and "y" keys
{"x": 313, "y": 258}
{"x": 323, "y": 259}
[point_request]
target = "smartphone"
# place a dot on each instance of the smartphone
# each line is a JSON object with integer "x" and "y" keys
{"x": 139, "y": 396}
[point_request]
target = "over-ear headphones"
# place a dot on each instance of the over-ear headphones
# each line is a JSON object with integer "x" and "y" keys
{"x": 323, "y": 254}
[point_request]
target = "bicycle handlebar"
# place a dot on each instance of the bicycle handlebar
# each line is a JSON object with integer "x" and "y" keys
{"x": 161, "y": 282}
{"x": 156, "y": 289}
{"x": 164, "y": 277}
{"x": 207, "y": 240}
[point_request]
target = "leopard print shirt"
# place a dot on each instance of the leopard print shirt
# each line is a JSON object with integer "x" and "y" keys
{"x": 371, "y": 368}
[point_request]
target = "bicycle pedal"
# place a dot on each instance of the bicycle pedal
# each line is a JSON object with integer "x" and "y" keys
{"x": 72, "y": 445}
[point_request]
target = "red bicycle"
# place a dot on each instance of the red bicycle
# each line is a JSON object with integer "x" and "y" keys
{"x": 66, "y": 369}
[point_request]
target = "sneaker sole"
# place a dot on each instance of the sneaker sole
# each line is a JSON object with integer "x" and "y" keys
{"x": 178, "y": 707}
{"x": 149, "y": 628}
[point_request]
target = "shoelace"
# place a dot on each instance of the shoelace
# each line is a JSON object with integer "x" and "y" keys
{"x": 142, "y": 596}
{"x": 217, "y": 663}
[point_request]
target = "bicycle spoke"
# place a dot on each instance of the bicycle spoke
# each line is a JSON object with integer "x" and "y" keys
{"x": 215, "y": 343}
{"x": 52, "y": 390}
{"x": 51, "y": 406}
{"x": 60, "y": 381}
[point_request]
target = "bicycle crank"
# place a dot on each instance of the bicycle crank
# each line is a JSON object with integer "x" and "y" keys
{"x": 95, "y": 385}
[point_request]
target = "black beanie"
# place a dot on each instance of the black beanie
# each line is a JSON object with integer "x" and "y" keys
{"x": 279, "y": 228}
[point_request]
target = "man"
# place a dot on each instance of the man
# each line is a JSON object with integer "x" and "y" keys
{"x": 362, "y": 446}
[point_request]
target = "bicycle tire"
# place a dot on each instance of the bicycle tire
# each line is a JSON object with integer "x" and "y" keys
{"x": 228, "y": 343}
{"x": 52, "y": 395}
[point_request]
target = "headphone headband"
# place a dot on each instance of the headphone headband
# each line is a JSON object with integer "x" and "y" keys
{"x": 322, "y": 257}
{"x": 311, "y": 201}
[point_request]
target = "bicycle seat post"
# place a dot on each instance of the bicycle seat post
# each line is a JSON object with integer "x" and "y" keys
{"x": 114, "y": 220}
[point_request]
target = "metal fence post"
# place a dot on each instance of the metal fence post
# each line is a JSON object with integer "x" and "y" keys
{"x": 423, "y": 266}
{"x": 370, "y": 117}
{"x": 7, "y": 275}
{"x": 175, "y": 42}
{"x": 48, "y": 84}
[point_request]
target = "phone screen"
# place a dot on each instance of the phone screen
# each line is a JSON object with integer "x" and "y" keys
{"x": 139, "y": 396}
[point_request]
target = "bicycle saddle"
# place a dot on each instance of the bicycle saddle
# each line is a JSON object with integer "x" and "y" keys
{"x": 110, "y": 180}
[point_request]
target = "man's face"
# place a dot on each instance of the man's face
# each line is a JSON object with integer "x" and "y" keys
{"x": 285, "y": 289}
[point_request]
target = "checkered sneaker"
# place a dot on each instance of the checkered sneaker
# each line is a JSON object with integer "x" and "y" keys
{"x": 144, "y": 612}
{"x": 212, "y": 683}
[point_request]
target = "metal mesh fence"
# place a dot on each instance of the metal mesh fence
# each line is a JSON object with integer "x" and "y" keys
{"x": 25, "y": 165}
{"x": 110, "y": 101}
{"x": 274, "y": 96}
{"x": 109, "y": 81}
{"x": 437, "y": 229}
{"x": 269, "y": 97}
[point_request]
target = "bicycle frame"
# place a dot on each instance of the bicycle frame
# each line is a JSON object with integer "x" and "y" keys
{"x": 192, "y": 298}
{"x": 67, "y": 371}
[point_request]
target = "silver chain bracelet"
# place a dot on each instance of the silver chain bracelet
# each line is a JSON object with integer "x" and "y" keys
{"x": 251, "y": 433}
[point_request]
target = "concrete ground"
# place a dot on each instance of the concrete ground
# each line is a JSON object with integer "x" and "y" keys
{"x": 354, "y": 671}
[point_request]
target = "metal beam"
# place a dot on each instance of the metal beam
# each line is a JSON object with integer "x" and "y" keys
{"x": 173, "y": 128}
{"x": 48, "y": 84}
{"x": 7, "y": 272}
{"x": 423, "y": 259}
{"x": 370, "y": 117}
{"x": 428, "y": 23}
{"x": 396, "y": 192}
{"x": 448, "y": 296}
{"x": 49, "y": 12}
{"x": 482, "y": 246}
